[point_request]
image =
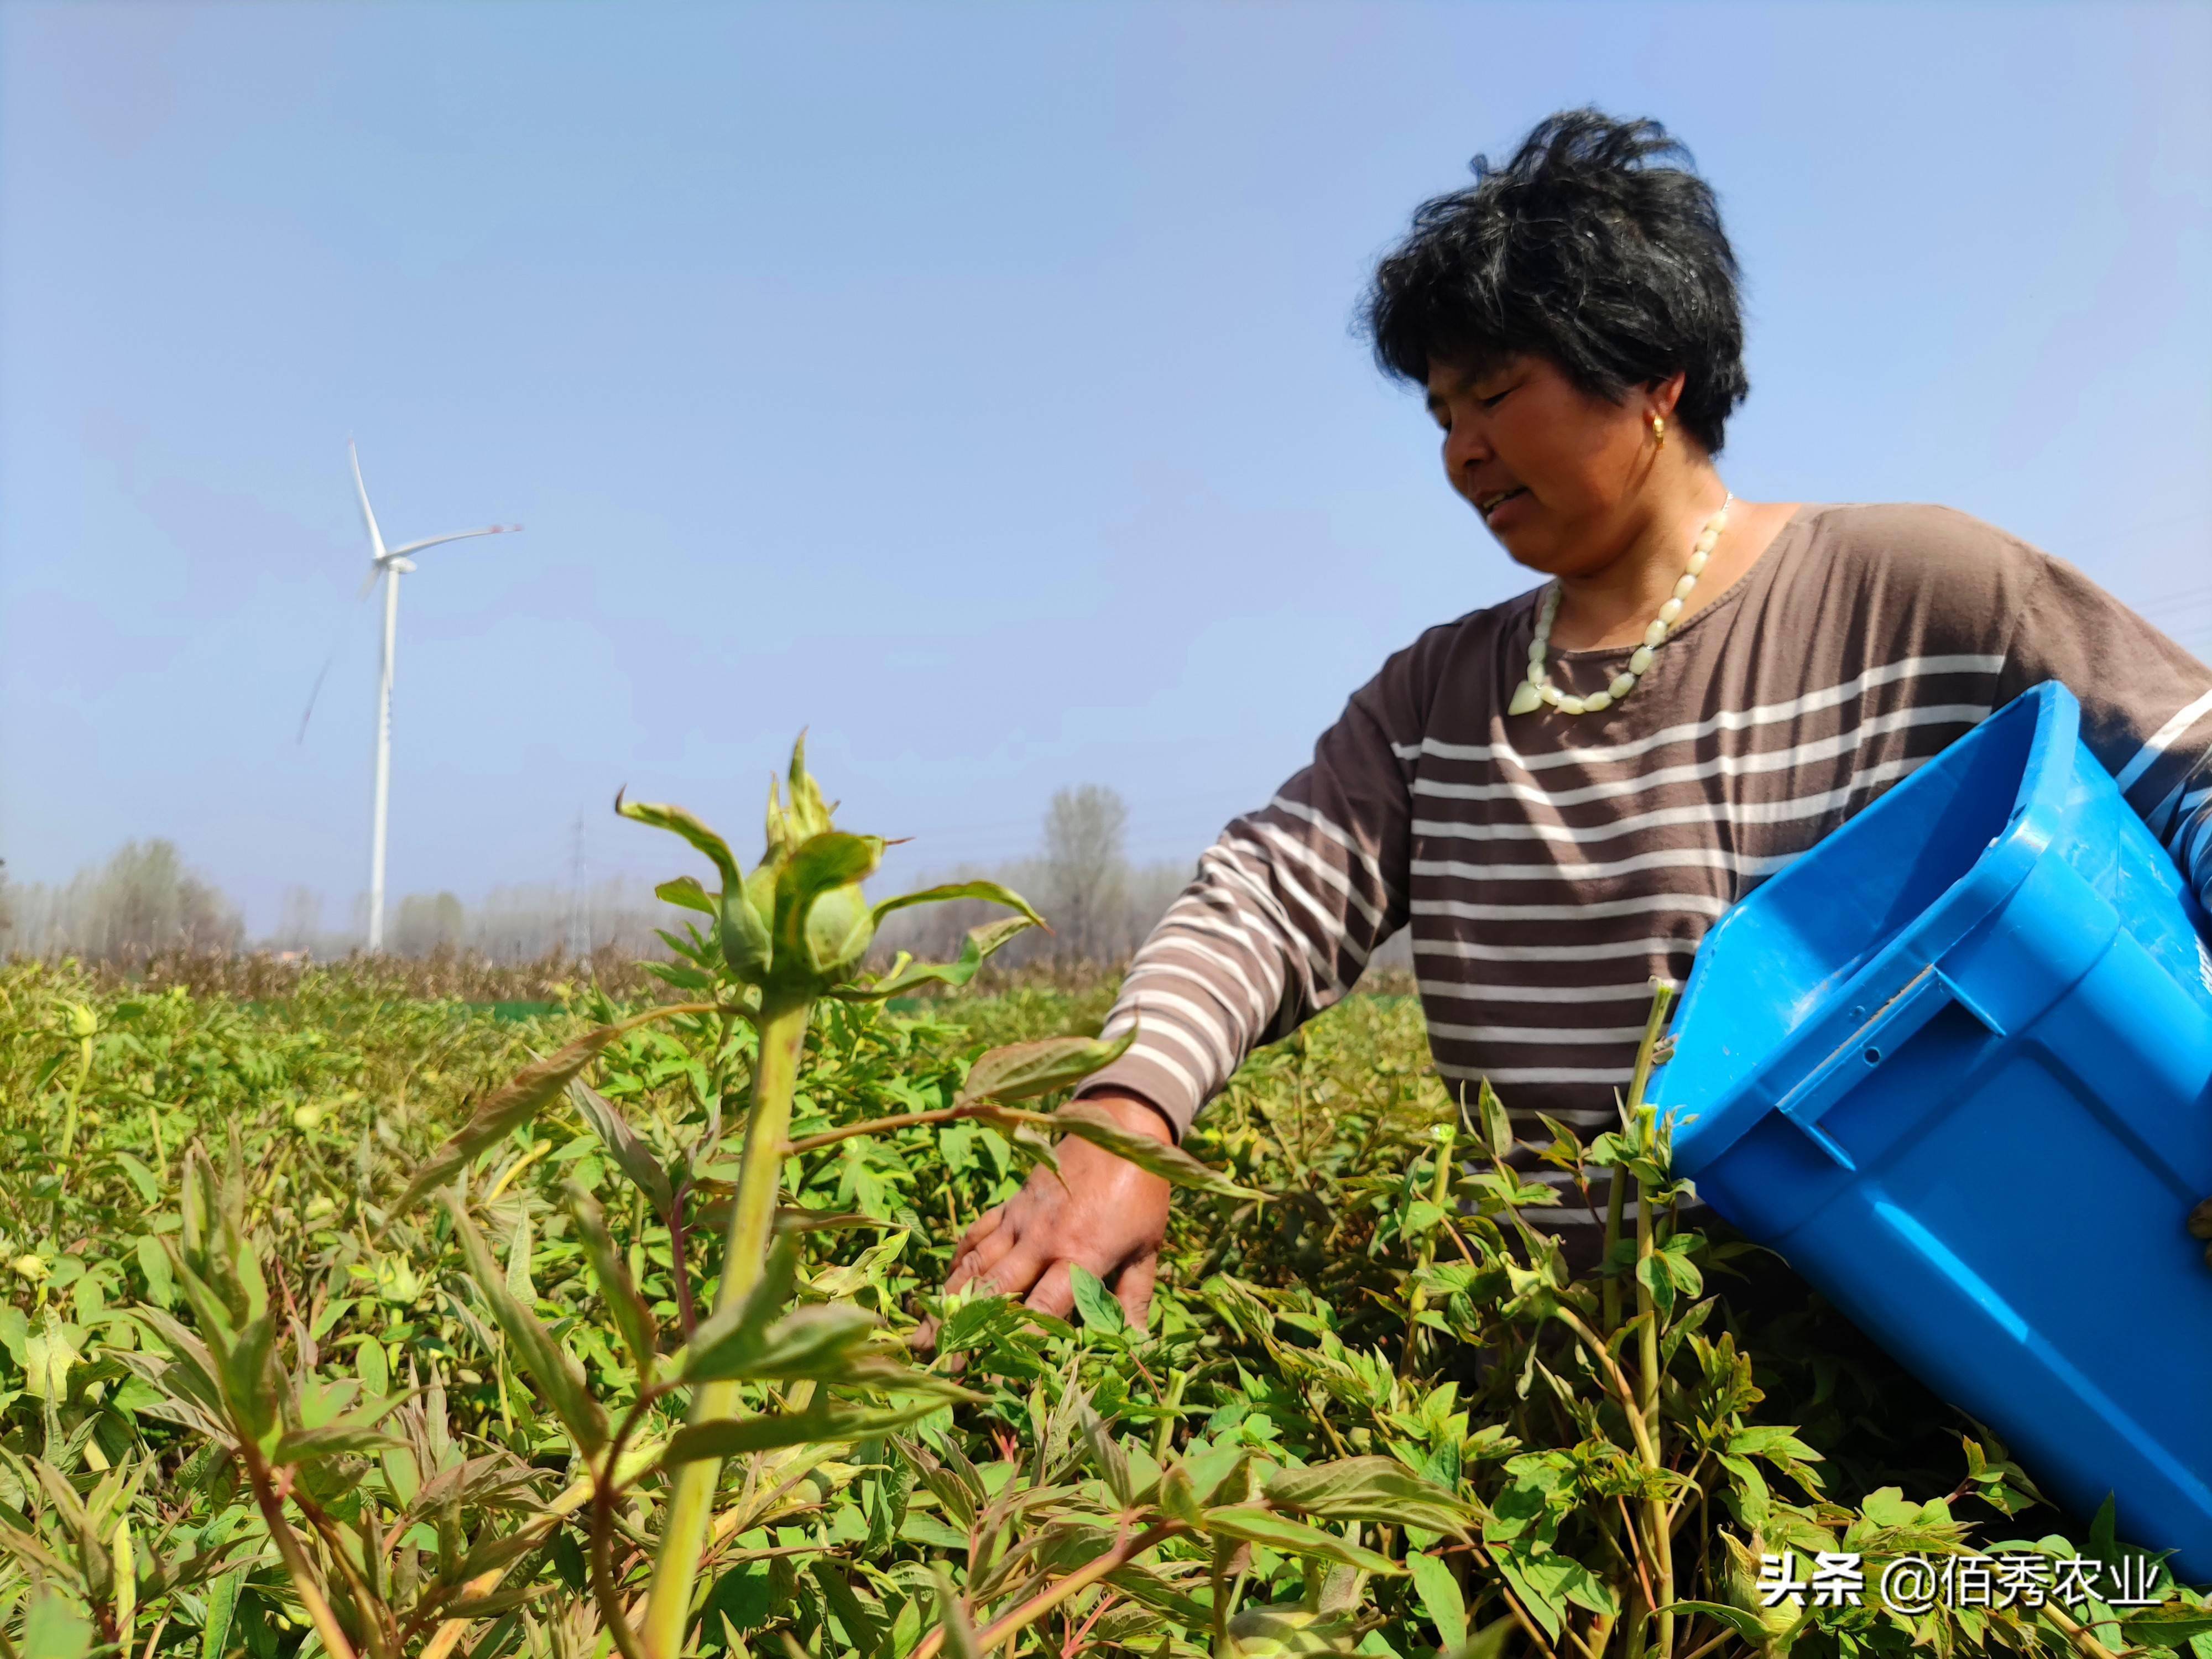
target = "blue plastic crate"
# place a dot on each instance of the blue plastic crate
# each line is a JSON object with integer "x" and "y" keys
{"x": 1956, "y": 1065}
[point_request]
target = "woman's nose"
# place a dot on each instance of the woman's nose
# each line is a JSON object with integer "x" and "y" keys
{"x": 1465, "y": 448}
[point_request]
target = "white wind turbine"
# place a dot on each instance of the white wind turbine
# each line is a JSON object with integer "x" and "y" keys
{"x": 390, "y": 564}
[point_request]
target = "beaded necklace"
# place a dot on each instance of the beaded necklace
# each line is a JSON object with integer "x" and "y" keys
{"x": 1538, "y": 687}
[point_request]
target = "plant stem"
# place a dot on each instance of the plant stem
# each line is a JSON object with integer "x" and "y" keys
{"x": 1021, "y": 1617}
{"x": 295, "y": 1559}
{"x": 69, "y": 1115}
{"x": 1662, "y": 1537}
{"x": 679, "y": 1263}
{"x": 691, "y": 1496}
{"x": 1163, "y": 1430}
{"x": 1616, "y": 1191}
{"x": 877, "y": 1126}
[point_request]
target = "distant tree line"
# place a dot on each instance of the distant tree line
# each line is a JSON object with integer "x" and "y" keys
{"x": 144, "y": 902}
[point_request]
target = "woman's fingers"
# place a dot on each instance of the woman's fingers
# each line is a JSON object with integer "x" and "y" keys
{"x": 1133, "y": 1289}
{"x": 1056, "y": 1290}
{"x": 976, "y": 1260}
{"x": 982, "y": 1228}
{"x": 1008, "y": 1268}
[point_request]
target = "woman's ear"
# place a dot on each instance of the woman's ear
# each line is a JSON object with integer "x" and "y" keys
{"x": 1665, "y": 394}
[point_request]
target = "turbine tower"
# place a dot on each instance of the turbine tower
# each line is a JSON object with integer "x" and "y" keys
{"x": 390, "y": 564}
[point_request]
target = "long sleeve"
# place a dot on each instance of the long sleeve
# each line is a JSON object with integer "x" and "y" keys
{"x": 1285, "y": 909}
{"x": 2146, "y": 705}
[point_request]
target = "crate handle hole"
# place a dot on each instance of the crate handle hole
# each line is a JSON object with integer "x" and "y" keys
{"x": 1873, "y": 1056}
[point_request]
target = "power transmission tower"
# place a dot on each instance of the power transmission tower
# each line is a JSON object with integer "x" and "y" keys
{"x": 580, "y": 920}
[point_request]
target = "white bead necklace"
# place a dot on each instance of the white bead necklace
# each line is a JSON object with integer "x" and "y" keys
{"x": 1538, "y": 687}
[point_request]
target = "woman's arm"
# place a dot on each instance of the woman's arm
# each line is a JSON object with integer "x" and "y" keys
{"x": 2145, "y": 704}
{"x": 1286, "y": 908}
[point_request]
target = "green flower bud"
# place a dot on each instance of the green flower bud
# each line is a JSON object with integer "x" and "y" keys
{"x": 1741, "y": 1580}
{"x": 307, "y": 1116}
{"x": 840, "y": 926}
{"x": 82, "y": 1021}
{"x": 29, "y": 1266}
{"x": 744, "y": 937}
{"x": 809, "y": 815}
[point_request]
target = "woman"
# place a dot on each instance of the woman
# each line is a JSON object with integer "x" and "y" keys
{"x": 1560, "y": 794}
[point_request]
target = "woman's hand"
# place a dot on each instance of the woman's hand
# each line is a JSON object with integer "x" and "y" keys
{"x": 1100, "y": 1211}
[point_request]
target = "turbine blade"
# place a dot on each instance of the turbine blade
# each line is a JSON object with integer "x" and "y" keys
{"x": 368, "y": 583}
{"x": 375, "y": 536}
{"x": 308, "y": 714}
{"x": 458, "y": 535}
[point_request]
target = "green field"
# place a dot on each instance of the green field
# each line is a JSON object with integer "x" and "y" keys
{"x": 1368, "y": 1413}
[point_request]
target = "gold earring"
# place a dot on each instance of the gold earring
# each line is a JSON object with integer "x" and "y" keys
{"x": 1659, "y": 431}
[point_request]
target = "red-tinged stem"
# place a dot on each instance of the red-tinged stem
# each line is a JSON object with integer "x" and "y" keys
{"x": 1012, "y": 1624}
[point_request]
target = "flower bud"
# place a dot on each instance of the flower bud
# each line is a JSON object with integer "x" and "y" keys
{"x": 840, "y": 926}
{"x": 83, "y": 1022}
{"x": 307, "y": 1116}
{"x": 744, "y": 937}
{"x": 29, "y": 1266}
{"x": 1742, "y": 1581}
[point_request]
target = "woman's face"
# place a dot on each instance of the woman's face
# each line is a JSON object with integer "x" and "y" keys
{"x": 1552, "y": 470}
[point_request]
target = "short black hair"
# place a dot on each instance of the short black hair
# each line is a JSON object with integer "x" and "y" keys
{"x": 1598, "y": 246}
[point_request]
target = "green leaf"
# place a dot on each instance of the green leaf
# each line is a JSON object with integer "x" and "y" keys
{"x": 1745, "y": 1625}
{"x": 1022, "y": 1071}
{"x": 990, "y": 891}
{"x": 733, "y": 1331}
{"x": 821, "y": 1342}
{"x": 861, "y": 1627}
{"x": 1108, "y": 1457}
{"x": 980, "y": 945}
{"x": 1101, "y": 1312}
{"x": 333, "y": 1440}
{"x": 222, "y": 1604}
{"x": 818, "y": 1424}
{"x": 631, "y": 1155}
{"x": 1092, "y": 1123}
{"x": 149, "y": 1187}
{"x": 1255, "y": 1525}
{"x": 2166, "y": 1626}
{"x": 52, "y": 1629}
{"x": 632, "y": 1318}
{"x": 686, "y": 891}
{"x": 519, "y": 1247}
{"x": 952, "y": 1613}
{"x": 676, "y": 820}
{"x": 533, "y": 1088}
{"x": 1488, "y": 1643}
{"x": 1496, "y": 1125}
{"x": 1440, "y": 1598}
{"x": 558, "y": 1377}
{"x": 153, "y": 1263}
{"x": 1369, "y": 1489}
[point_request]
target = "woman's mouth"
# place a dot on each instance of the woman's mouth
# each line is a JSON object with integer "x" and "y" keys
{"x": 1487, "y": 504}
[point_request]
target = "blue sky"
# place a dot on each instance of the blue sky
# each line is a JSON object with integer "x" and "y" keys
{"x": 973, "y": 385}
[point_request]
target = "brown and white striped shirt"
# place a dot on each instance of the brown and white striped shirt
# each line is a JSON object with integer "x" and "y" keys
{"x": 1549, "y": 866}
